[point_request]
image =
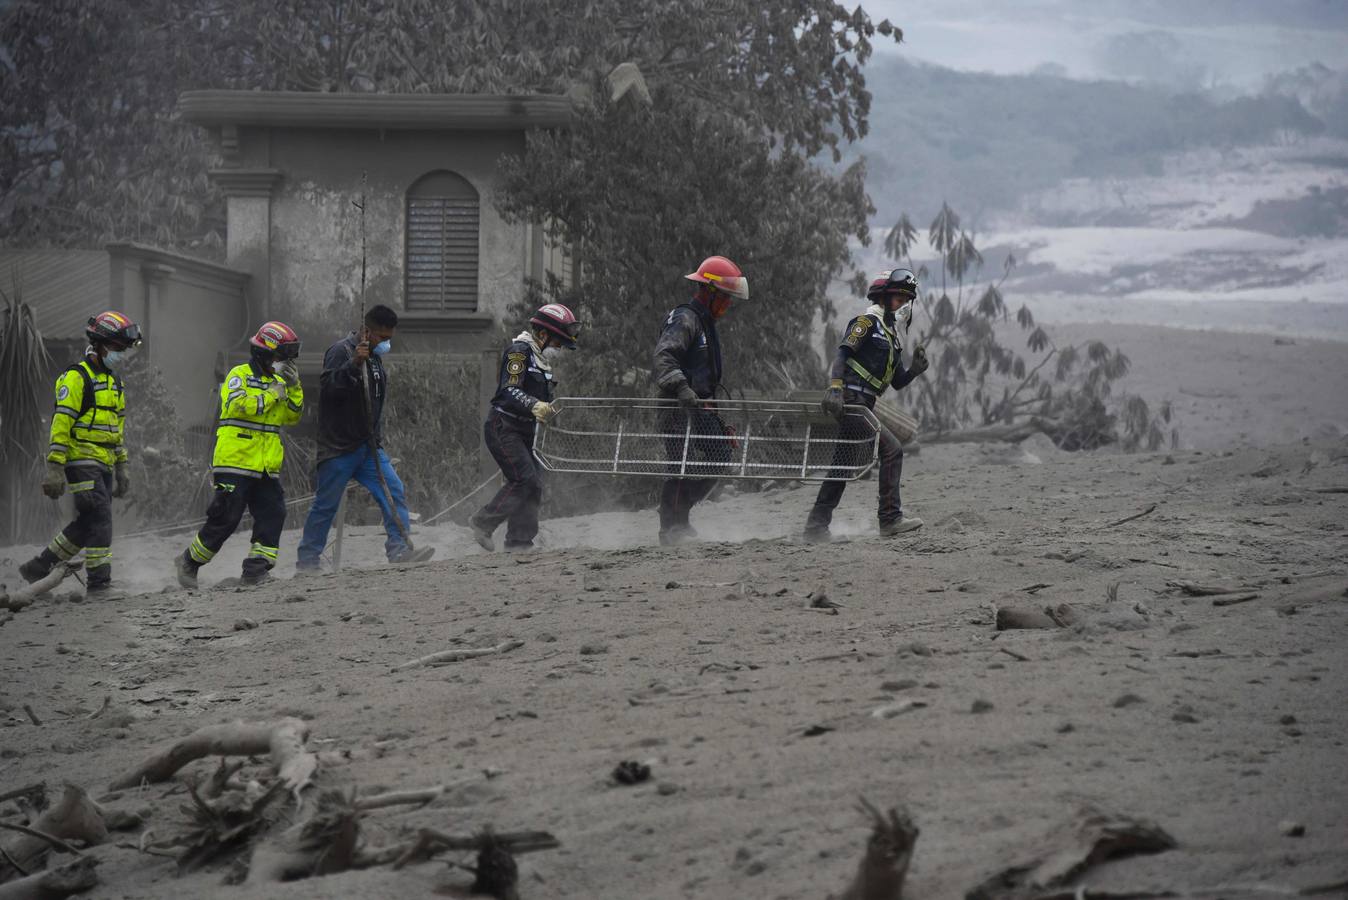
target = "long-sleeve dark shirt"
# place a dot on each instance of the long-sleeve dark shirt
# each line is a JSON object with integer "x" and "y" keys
{"x": 688, "y": 352}
{"x": 344, "y": 422}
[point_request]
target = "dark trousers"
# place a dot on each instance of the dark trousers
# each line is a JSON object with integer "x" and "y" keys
{"x": 265, "y": 501}
{"x": 91, "y": 530}
{"x": 511, "y": 443}
{"x": 891, "y": 468}
{"x": 706, "y": 444}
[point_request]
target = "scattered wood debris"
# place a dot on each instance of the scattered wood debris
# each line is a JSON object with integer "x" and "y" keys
{"x": 449, "y": 656}
{"x": 889, "y": 852}
{"x": 1093, "y": 837}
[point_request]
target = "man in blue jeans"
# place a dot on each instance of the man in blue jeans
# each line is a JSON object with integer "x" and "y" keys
{"x": 346, "y": 445}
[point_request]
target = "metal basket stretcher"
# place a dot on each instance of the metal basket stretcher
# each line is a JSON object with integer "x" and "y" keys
{"x": 767, "y": 439}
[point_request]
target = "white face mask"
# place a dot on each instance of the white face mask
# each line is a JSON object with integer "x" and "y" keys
{"x": 551, "y": 353}
{"x": 277, "y": 366}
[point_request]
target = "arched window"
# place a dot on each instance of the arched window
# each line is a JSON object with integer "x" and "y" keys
{"x": 442, "y": 239}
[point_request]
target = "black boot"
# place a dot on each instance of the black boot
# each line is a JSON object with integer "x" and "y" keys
{"x": 38, "y": 567}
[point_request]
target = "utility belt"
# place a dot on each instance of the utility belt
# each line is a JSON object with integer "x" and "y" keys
{"x": 527, "y": 420}
{"x": 866, "y": 393}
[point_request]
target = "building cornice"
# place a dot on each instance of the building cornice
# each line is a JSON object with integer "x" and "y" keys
{"x": 413, "y": 112}
{"x": 246, "y": 182}
{"x": 154, "y": 258}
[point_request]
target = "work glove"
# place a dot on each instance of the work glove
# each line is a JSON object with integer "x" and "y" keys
{"x": 833, "y": 401}
{"x": 688, "y": 398}
{"x": 54, "y": 482}
{"x": 920, "y": 362}
{"x": 290, "y": 373}
{"x": 277, "y": 389}
{"x": 122, "y": 475}
{"x": 543, "y": 411}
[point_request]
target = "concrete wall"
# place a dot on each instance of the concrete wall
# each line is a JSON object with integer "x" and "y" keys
{"x": 315, "y": 240}
{"x": 191, "y": 313}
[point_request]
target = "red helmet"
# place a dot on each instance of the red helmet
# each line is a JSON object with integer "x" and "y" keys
{"x": 723, "y": 275}
{"x": 559, "y": 320}
{"x": 114, "y": 329}
{"x": 279, "y": 338}
{"x": 899, "y": 281}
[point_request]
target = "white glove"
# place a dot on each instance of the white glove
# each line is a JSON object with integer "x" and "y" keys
{"x": 278, "y": 389}
{"x": 290, "y": 373}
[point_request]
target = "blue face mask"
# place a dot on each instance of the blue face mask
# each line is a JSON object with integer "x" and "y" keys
{"x": 382, "y": 347}
{"x": 115, "y": 359}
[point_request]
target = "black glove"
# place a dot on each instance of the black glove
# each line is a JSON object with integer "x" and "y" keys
{"x": 54, "y": 481}
{"x": 123, "y": 479}
{"x": 688, "y": 398}
{"x": 833, "y": 402}
{"x": 920, "y": 362}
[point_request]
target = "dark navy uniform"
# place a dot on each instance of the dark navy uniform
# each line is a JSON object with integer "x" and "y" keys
{"x": 867, "y": 363}
{"x": 525, "y": 379}
{"x": 688, "y": 352}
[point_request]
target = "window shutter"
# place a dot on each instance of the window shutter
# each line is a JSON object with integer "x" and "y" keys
{"x": 442, "y": 244}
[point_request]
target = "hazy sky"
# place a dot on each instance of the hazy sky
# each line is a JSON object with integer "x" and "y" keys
{"x": 1234, "y": 42}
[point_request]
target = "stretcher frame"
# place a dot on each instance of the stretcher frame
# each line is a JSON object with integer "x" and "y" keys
{"x": 770, "y": 440}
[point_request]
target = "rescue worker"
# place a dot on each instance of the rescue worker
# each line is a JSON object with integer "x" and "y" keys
{"x": 867, "y": 363}
{"x": 257, "y": 398}
{"x": 524, "y": 392}
{"x": 350, "y": 439}
{"x": 687, "y": 368}
{"x": 87, "y": 452}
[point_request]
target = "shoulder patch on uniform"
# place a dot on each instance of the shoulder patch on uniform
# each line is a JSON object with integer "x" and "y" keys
{"x": 63, "y": 393}
{"x": 235, "y": 383}
{"x": 516, "y": 363}
{"x": 862, "y": 325}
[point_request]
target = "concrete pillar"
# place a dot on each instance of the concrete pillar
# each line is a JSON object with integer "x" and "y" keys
{"x": 248, "y": 194}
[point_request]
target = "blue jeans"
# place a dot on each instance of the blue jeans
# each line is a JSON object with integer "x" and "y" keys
{"x": 333, "y": 476}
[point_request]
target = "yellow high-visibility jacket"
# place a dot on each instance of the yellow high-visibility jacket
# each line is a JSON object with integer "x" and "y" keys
{"x": 87, "y": 426}
{"x": 248, "y": 435}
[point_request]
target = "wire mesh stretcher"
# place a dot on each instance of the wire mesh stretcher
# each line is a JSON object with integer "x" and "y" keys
{"x": 773, "y": 439}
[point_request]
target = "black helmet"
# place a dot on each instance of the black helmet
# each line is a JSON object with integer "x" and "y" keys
{"x": 900, "y": 281}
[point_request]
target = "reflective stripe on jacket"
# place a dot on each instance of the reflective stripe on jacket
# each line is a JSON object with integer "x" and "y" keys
{"x": 248, "y": 435}
{"x": 88, "y": 428}
{"x": 869, "y": 355}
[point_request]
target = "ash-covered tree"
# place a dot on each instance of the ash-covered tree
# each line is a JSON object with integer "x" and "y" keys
{"x": 745, "y": 95}
{"x": 982, "y": 383}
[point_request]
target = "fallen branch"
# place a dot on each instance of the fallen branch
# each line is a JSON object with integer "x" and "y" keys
{"x": 75, "y": 817}
{"x": 402, "y": 798}
{"x": 449, "y": 656}
{"x": 889, "y": 852}
{"x": 107, "y": 701}
{"x": 1232, "y": 601}
{"x": 285, "y": 740}
{"x": 37, "y": 791}
{"x": 1148, "y": 511}
{"x": 32, "y": 716}
{"x": 1340, "y": 489}
{"x": 24, "y": 596}
{"x": 1014, "y": 433}
{"x": 1195, "y": 589}
{"x": 63, "y": 881}
{"x": 1092, "y": 838}
{"x": 1014, "y": 655}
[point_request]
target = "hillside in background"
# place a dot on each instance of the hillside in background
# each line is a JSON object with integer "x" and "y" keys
{"x": 983, "y": 142}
